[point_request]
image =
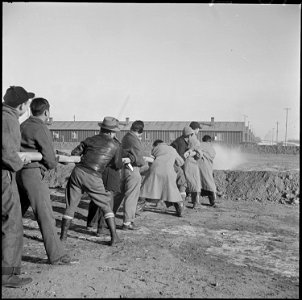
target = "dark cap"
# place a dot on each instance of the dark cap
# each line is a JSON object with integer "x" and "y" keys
{"x": 16, "y": 95}
{"x": 194, "y": 125}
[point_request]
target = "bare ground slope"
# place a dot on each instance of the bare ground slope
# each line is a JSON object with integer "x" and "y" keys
{"x": 247, "y": 247}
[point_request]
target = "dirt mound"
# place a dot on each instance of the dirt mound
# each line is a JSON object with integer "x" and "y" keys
{"x": 282, "y": 187}
{"x": 58, "y": 177}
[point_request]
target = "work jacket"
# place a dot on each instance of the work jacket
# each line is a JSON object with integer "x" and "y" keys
{"x": 11, "y": 139}
{"x": 36, "y": 137}
{"x": 97, "y": 152}
{"x": 132, "y": 147}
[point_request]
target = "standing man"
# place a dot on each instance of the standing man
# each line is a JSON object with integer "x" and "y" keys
{"x": 112, "y": 183}
{"x": 132, "y": 148}
{"x": 16, "y": 103}
{"x": 194, "y": 195}
{"x": 33, "y": 190}
{"x": 97, "y": 152}
{"x": 160, "y": 179}
{"x": 208, "y": 186}
{"x": 181, "y": 146}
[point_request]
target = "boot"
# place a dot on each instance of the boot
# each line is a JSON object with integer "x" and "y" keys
{"x": 179, "y": 206}
{"x": 195, "y": 200}
{"x": 111, "y": 225}
{"x": 14, "y": 281}
{"x": 212, "y": 199}
{"x": 64, "y": 228}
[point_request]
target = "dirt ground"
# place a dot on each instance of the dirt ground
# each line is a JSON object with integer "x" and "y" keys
{"x": 246, "y": 247}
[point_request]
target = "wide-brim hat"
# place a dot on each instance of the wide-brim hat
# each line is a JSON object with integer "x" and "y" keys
{"x": 110, "y": 123}
{"x": 187, "y": 131}
{"x": 16, "y": 95}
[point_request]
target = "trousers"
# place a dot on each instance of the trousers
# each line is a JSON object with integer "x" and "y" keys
{"x": 130, "y": 190}
{"x": 34, "y": 192}
{"x": 12, "y": 227}
{"x": 95, "y": 214}
{"x": 80, "y": 182}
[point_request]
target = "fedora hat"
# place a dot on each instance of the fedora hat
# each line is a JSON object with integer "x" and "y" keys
{"x": 110, "y": 123}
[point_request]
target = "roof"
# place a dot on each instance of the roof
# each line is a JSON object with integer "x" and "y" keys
{"x": 149, "y": 125}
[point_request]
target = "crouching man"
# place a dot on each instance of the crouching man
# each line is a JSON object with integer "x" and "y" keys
{"x": 97, "y": 152}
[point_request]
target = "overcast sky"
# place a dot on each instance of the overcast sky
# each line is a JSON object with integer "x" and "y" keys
{"x": 159, "y": 62}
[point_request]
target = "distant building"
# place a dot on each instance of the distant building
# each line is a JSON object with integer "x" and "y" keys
{"x": 221, "y": 132}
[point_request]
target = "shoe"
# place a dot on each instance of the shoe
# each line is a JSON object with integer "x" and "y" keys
{"x": 14, "y": 281}
{"x": 213, "y": 205}
{"x": 131, "y": 226}
{"x": 63, "y": 260}
{"x": 179, "y": 206}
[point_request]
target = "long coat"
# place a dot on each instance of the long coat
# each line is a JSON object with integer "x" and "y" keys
{"x": 205, "y": 164}
{"x": 160, "y": 180}
{"x": 191, "y": 168}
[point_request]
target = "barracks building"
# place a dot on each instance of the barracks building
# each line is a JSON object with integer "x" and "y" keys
{"x": 222, "y": 132}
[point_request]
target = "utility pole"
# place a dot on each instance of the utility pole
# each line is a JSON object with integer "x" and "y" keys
{"x": 287, "y": 108}
{"x": 245, "y": 130}
{"x": 277, "y": 133}
{"x": 244, "y": 117}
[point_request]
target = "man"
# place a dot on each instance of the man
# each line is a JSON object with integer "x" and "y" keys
{"x": 181, "y": 146}
{"x": 33, "y": 190}
{"x": 194, "y": 195}
{"x": 97, "y": 152}
{"x": 208, "y": 186}
{"x": 16, "y": 103}
{"x": 160, "y": 179}
{"x": 195, "y": 126}
{"x": 132, "y": 149}
{"x": 112, "y": 180}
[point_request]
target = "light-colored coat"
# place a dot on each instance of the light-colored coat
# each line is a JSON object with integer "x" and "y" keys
{"x": 191, "y": 168}
{"x": 160, "y": 180}
{"x": 205, "y": 164}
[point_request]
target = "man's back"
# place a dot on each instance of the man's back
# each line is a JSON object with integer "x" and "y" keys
{"x": 180, "y": 145}
{"x": 36, "y": 137}
{"x": 97, "y": 152}
{"x": 132, "y": 147}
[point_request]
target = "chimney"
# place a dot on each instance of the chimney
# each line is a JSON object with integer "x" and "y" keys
{"x": 212, "y": 121}
{"x": 127, "y": 120}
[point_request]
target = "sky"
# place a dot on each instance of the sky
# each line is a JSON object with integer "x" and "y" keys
{"x": 159, "y": 62}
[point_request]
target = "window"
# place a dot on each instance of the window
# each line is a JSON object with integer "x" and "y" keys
{"x": 218, "y": 137}
{"x": 74, "y": 135}
{"x": 147, "y": 136}
{"x": 55, "y": 134}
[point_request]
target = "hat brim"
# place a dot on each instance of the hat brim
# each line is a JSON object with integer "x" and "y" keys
{"x": 114, "y": 129}
{"x": 30, "y": 95}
